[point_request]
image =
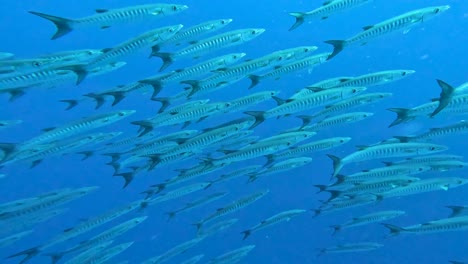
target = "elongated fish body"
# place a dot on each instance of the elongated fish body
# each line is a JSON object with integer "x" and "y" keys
{"x": 329, "y": 7}
{"x": 148, "y": 146}
{"x": 212, "y": 44}
{"x": 457, "y": 106}
{"x": 197, "y": 203}
{"x": 382, "y": 173}
{"x": 232, "y": 207}
{"x": 9, "y": 123}
{"x": 306, "y": 63}
{"x": 402, "y": 22}
{"x": 325, "y": 84}
{"x": 369, "y": 219}
{"x": 455, "y": 129}
{"x": 191, "y": 34}
{"x": 175, "y": 251}
{"x": 250, "y": 100}
{"x": 194, "y": 259}
{"x": 210, "y": 84}
{"x": 5, "y": 241}
{"x": 106, "y": 18}
{"x": 350, "y": 103}
{"x": 281, "y": 166}
{"x": 446, "y": 95}
{"x": 340, "y": 204}
{"x": 249, "y": 170}
{"x": 78, "y": 126}
{"x": 428, "y": 185}
{"x": 424, "y": 160}
{"x": 182, "y": 191}
{"x": 34, "y": 78}
{"x": 338, "y": 120}
{"x": 71, "y": 57}
{"x": 105, "y": 255}
{"x": 216, "y": 228}
{"x": 89, "y": 254}
{"x": 386, "y": 151}
{"x": 458, "y": 223}
{"x": 6, "y": 56}
{"x": 317, "y": 99}
{"x": 376, "y": 78}
{"x": 233, "y": 256}
{"x": 278, "y": 218}
{"x": 377, "y": 186}
{"x": 350, "y": 248}
{"x": 309, "y": 148}
{"x": 293, "y": 137}
{"x": 10, "y": 68}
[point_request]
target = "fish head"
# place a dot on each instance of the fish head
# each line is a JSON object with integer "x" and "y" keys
{"x": 166, "y": 33}
{"x": 252, "y": 33}
{"x": 432, "y": 148}
{"x": 118, "y": 115}
{"x": 232, "y": 58}
{"x": 168, "y": 9}
{"x": 298, "y": 53}
{"x": 343, "y": 140}
{"x": 218, "y": 24}
{"x": 430, "y": 12}
{"x": 273, "y": 93}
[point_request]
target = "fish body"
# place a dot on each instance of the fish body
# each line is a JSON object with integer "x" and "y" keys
{"x": 278, "y": 218}
{"x": 350, "y": 248}
{"x": 458, "y": 223}
{"x": 369, "y": 219}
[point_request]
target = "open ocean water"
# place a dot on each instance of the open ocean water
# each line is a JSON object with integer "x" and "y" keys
{"x": 434, "y": 49}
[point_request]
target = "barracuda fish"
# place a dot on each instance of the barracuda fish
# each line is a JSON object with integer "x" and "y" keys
{"x": 192, "y": 33}
{"x": 197, "y": 203}
{"x": 292, "y": 106}
{"x": 73, "y": 56}
{"x": 376, "y": 78}
{"x": 6, "y": 56}
{"x": 457, "y": 210}
{"x": 382, "y": 173}
{"x": 142, "y": 41}
{"x": 339, "y": 204}
{"x": 191, "y": 72}
{"x": 185, "y": 117}
{"x": 249, "y": 170}
{"x": 233, "y": 256}
{"x": 368, "y": 219}
{"x": 216, "y": 228}
{"x": 105, "y": 18}
{"x": 232, "y": 207}
{"x": 105, "y": 255}
{"x": 10, "y": 68}
{"x": 385, "y": 151}
{"x": 9, "y": 123}
{"x": 182, "y": 191}
{"x": 457, "y": 106}
{"x": 442, "y": 225}
{"x": 194, "y": 259}
{"x": 6, "y": 241}
{"x": 306, "y": 63}
{"x": 212, "y": 44}
{"x": 250, "y": 100}
{"x": 424, "y": 160}
{"x": 28, "y": 221}
{"x": 348, "y": 104}
{"x": 278, "y": 218}
{"x": 89, "y": 254}
{"x": 329, "y": 7}
{"x": 89, "y": 225}
{"x": 308, "y": 148}
{"x": 333, "y": 121}
{"x": 350, "y": 248}
{"x": 428, "y": 185}
{"x": 402, "y": 22}
{"x": 107, "y": 235}
{"x": 175, "y": 251}
{"x": 455, "y": 129}
{"x": 325, "y": 84}
{"x": 446, "y": 95}
{"x": 280, "y": 167}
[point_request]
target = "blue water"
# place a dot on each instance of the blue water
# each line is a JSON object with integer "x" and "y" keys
{"x": 436, "y": 49}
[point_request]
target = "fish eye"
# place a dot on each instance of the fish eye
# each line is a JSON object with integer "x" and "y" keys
{"x": 432, "y": 148}
{"x": 223, "y": 22}
{"x": 174, "y": 8}
{"x": 341, "y": 140}
{"x": 436, "y": 10}
{"x": 306, "y": 50}
{"x": 36, "y": 64}
{"x": 354, "y": 91}
{"x": 253, "y": 32}
{"x": 235, "y": 56}
{"x": 121, "y": 114}
{"x": 280, "y": 58}
{"x": 403, "y": 73}
{"x": 272, "y": 93}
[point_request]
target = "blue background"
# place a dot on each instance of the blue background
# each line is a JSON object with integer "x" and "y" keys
{"x": 436, "y": 49}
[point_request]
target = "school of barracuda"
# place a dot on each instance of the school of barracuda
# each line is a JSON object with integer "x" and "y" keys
{"x": 330, "y": 103}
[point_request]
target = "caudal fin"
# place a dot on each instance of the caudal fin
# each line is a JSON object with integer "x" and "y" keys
{"x": 246, "y": 234}
{"x": 98, "y": 98}
{"x": 29, "y": 254}
{"x": 306, "y": 120}
{"x": 128, "y": 177}
{"x": 145, "y": 127}
{"x": 445, "y": 96}
{"x": 167, "y": 59}
{"x": 337, "y": 164}
{"x": 338, "y": 46}
{"x": 456, "y": 210}
{"x": 402, "y": 116}
{"x": 299, "y": 16}
{"x": 118, "y": 96}
{"x": 64, "y": 25}
{"x": 404, "y": 139}
{"x": 255, "y": 80}
{"x": 70, "y": 103}
{"x": 336, "y": 229}
{"x": 394, "y": 230}
{"x": 195, "y": 86}
{"x": 259, "y": 117}
{"x": 165, "y": 103}
{"x": 156, "y": 84}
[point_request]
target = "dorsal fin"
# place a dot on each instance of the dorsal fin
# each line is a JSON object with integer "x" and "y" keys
{"x": 47, "y": 129}
{"x": 327, "y": 2}
{"x": 106, "y": 49}
{"x": 101, "y": 10}
{"x": 277, "y": 67}
{"x": 367, "y": 27}
{"x": 361, "y": 147}
{"x": 315, "y": 89}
